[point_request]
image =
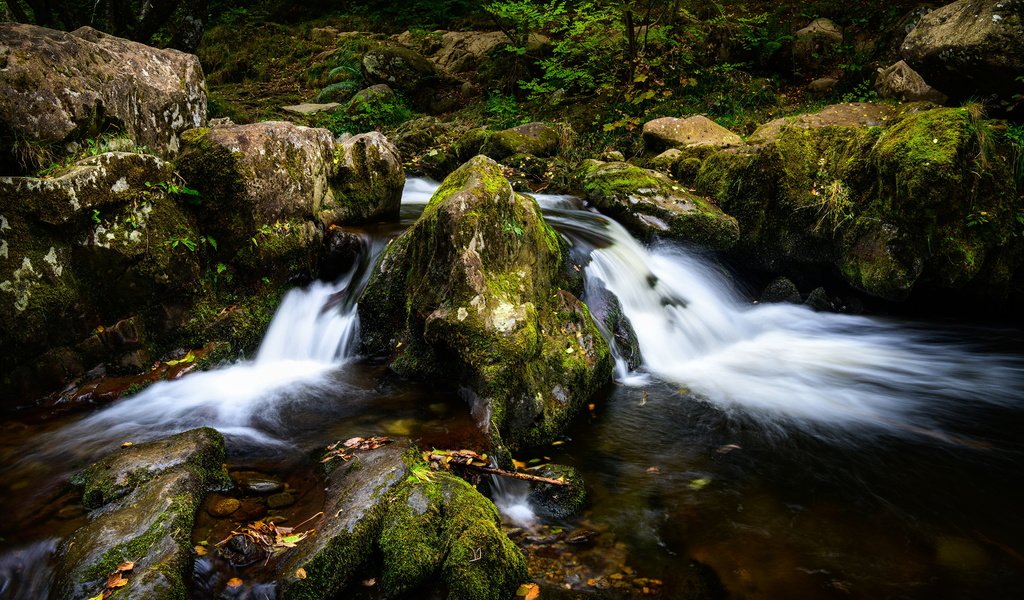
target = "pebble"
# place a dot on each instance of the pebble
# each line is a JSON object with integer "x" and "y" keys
{"x": 253, "y": 482}
{"x": 280, "y": 500}
{"x": 223, "y": 507}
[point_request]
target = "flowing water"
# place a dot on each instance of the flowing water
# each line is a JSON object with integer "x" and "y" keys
{"x": 798, "y": 454}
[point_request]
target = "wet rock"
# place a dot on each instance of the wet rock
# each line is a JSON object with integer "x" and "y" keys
{"x": 153, "y": 95}
{"x": 280, "y": 500}
{"x": 781, "y": 289}
{"x": 852, "y": 114}
{"x": 254, "y": 482}
{"x": 970, "y": 48}
{"x": 820, "y": 301}
{"x": 536, "y": 139}
{"x": 901, "y": 82}
{"x": 558, "y": 502}
{"x": 222, "y": 507}
{"x": 367, "y": 181}
{"x": 472, "y": 288}
{"x": 429, "y": 532}
{"x": 607, "y": 312}
{"x": 144, "y": 500}
{"x": 691, "y": 132}
{"x": 650, "y": 203}
{"x": 341, "y": 250}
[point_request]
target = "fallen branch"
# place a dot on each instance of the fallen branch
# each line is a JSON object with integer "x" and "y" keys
{"x": 467, "y": 459}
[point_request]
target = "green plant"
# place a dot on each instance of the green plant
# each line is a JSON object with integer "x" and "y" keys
{"x": 834, "y": 208}
{"x": 978, "y": 218}
{"x": 862, "y": 92}
{"x": 504, "y": 111}
{"x": 96, "y": 216}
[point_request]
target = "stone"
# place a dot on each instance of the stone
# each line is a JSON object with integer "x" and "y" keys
{"x": 537, "y": 139}
{"x": 819, "y": 300}
{"x": 75, "y": 85}
{"x": 970, "y": 48}
{"x": 425, "y": 85}
{"x": 816, "y": 44}
{"x": 143, "y": 501}
{"x": 254, "y": 482}
{"x": 901, "y": 82}
{"x": 375, "y": 94}
{"x": 781, "y": 289}
{"x": 280, "y": 500}
{"x": 850, "y": 114}
{"x": 367, "y": 181}
{"x": 223, "y": 507}
{"x": 691, "y": 132}
{"x": 310, "y": 108}
{"x": 650, "y": 203}
{"x": 474, "y": 288}
{"x": 419, "y": 532}
{"x": 558, "y": 502}
{"x": 822, "y": 86}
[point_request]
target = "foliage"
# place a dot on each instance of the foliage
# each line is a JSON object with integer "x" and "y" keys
{"x": 365, "y": 115}
{"x": 504, "y": 111}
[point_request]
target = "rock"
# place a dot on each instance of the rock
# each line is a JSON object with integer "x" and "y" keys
{"x": 691, "y": 132}
{"x": 666, "y": 161}
{"x": 371, "y": 96}
{"x": 650, "y": 203}
{"x": 613, "y": 156}
{"x": 901, "y": 82}
{"x": 608, "y": 315}
{"x": 253, "y": 482}
{"x": 895, "y": 208}
{"x": 537, "y": 139}
{"x": 466, "y": 51}
{"x": 143, "y": 500}
{"x": 432, "y": 531}
{"x": 309, "y": 108}
{"x": 558, "y": 502}
{"x": 822, "y": 86}
{"x": 367, "y": 181}
{"x": 473, "y": 288}
{"x": 280, "y": 500}
{"x": 152, "y": 95}
{"x": 819, "y": 300}
{"x": 851, "y": 114}
{"x": 970, "y": 48}
{"x": 341, "y": 251}
{"x": 816, "y": 44}
{"x": 427, "y": 87}
{"x": 223, "y": 507}
{"x": 781, "y": 289}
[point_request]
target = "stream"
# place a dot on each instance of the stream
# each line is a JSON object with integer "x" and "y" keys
{"x": 798, "y": 454}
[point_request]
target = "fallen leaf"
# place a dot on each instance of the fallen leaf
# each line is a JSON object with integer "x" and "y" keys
{"x": 698, "y": 484}
{"x": 200, "y": 550}
{"x": 528, "y": 591}
{"x": 368, "y": 582}
{"x": 127, "y": 444}
{"x": 234, "y": 582}
{"x": 115, "y": 581}
{"x": 300, "y": 573}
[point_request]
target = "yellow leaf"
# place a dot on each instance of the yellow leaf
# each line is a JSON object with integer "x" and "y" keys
{"x": 200, "y": 550}
{"x": 234, "y": 582}
{"x": 300, "y": 573}
{"x": 528, "y": 591}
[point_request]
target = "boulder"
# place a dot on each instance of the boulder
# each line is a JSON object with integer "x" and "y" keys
{"x": 310, "y": 108}
{"x": 371, "y": 96}
{"x": 472, "y": 290}
{"x": 536, "y": 139}
{"x": 823, "y": 86}
{"x": 816, "y": 44}
{"x": 66, "y": 86}
{"x": 970, "y": 48}
{"x": 427, "y": 528}
{"x": 427, "y": 87}
{"x": 651, "y": 203}
{"x": 142, "y": 501}
{"x": 851, "y": 114}
{"x": 922, "y": 202}
{"x": 901, "y": 82}
{"x": 558, "y": 502}
{"x": 691, "y": 132}
{"x": 781, "y": 289}
{"x": 367, "y": 181}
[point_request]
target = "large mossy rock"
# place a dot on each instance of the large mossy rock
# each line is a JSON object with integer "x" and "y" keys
{"x": 367, "y": 181}
{"x": 61, "y": 86}
{"x": 692, "y": 132}
{"x": 535, "y": 139}
{"x": 386, "y": 510}
{"x": 90, "y": 245}
{"x": 470, "y": 295}
{"x": 143, "y": 501}
{"x": 970, "y": 48}
{"x": 651, "y": 203}
{"x": 429, "y": 88}
{"x": 926, "y": 201}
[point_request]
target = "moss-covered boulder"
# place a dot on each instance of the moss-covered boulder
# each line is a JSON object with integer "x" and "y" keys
{"x": 470, "y": 296}
{"x": 925, "y": 200}
{"x": 651, "y": 203}
{"x": 61, "y": 86}
{"x": 367, "y": 180}
{"x": 428, "y": 88}
{"x": 93, "y": 243}
{"x": 143, "y": 501}
{"x": 558, "y": 501}
{"x": 387, "y": 513}
{"x": 536, "y": 139}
